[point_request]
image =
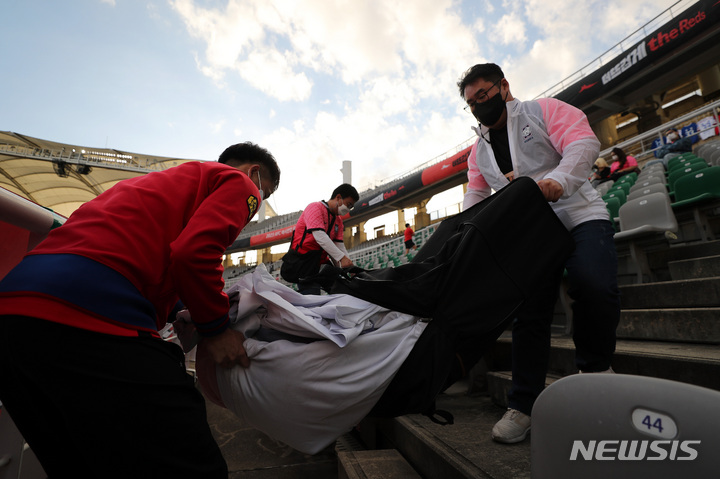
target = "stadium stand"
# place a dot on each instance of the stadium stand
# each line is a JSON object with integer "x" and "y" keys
{"x": 669, "y": 328}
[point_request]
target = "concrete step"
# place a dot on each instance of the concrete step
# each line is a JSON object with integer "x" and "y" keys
{"x": 704, "y": 267}
{"x": 251, "y": 454}
{"x": 376, "y": 464}
{"x": 689, "y": 293}
{"x": 683, "y": 251}
{"x": 685, "y": 325}
{"x": 463, "y": 450}
{"x": 697, "y": 364}
{"x": 659, "y": 259}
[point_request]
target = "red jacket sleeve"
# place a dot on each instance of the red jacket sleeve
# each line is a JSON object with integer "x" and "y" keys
{"x": 196, "y": 254}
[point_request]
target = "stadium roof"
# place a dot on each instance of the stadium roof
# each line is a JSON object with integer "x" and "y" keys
{"x": 61, "y": 176}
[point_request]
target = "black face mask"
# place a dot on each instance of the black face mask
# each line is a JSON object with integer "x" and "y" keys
{"x": 489, "y": 112}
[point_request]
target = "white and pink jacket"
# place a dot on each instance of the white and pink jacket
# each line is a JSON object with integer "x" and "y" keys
{"x": 548, "y": 139}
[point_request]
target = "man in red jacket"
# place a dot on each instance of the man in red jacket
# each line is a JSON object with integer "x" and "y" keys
{"x": 83, "y": 372}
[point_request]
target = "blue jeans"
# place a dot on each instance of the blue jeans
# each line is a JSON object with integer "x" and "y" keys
{"x": 592, "y": 278}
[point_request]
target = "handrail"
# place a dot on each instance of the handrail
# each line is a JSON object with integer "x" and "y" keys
{"x": 658, "y": 131}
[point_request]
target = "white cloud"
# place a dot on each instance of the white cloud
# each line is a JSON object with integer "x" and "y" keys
{"x": 385, "y": 72}
{"x": 217, "y": 126}
{"x": 510, "y": 30}
{"x": 270, "y": 72}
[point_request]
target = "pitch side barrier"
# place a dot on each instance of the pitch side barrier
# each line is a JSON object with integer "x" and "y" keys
{"x": 374, "y": 200}
{"x": 24, "y": 225}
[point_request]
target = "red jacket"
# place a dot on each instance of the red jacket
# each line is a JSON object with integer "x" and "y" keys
{"x": 121, "y": 261}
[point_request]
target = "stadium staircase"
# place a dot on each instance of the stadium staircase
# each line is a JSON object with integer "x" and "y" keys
{"x": 669, "y": 328}
{"x": 669, "y": 276}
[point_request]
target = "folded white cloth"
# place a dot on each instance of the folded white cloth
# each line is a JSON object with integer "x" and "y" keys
{"x": 308, "y": 394}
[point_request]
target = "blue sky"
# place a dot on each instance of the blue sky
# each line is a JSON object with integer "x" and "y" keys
{"x": 314, "y": 81}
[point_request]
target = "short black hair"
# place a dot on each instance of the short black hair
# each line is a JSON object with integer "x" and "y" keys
{"x": 346, "y": 190}
{"x": 407, "y": 225}
{"x": 485, "y": 71}
{"x": 248, "y": 152}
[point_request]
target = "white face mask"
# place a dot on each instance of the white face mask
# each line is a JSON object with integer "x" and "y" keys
{"x": 673, "y": 136}
{"x": 343, "y": 210}
{"x": 614, "y": 157}
{"x": 260, "y": 186}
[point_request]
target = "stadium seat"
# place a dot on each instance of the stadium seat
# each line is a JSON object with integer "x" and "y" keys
{"x": 619, "y": 194}
{"x": 696, "y": 190}
{"x": 604, "y": 187}
{"x": 685, "y": 164}
{"x": 622, "y": 427}
{"x": 715, "y": 157}
{"x": 627, "y": 178}
{"x": 613, "y": 207}
{"x": 657, "y": 169}
{"x": 679, "y": 173}
{"x": 654, "y": 188}
{"x": 680, "y": 158}
{"x": 650, "y": 180}
{"x": 653, "y": 163}
{"x": 645, "y": 222}
{"x": 648, "y": 213}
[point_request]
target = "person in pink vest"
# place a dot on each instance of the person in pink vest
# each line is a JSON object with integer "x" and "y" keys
{"x": 318, "y": 239}
{"x": 552, "y": 143}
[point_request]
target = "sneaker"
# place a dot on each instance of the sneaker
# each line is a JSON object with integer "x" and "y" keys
{"x": 513, "y": 427}
{"x": 607, "y": 371}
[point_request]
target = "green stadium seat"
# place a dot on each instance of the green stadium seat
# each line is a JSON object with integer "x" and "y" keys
{"x": 679, "y": 173}
{"x": 613, "y": 207}
{"x": 685, "y": 164}
{"x": 628, "y": 178}
{"x": 697, "y": 190}
{"x": 624, "y": 186}
{"x": 619, "y": 194}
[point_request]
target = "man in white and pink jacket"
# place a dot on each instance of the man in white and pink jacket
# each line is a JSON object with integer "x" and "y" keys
{"x": 551, "y": 142}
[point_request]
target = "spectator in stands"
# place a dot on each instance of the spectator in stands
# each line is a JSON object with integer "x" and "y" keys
{"x": 84, "y": 372}
{"x": 675, "y": 145}
{"x": 622, "y": 164}
{"x": 601, "y": 172}
{"x": 409, "y": 244}
{"x": 551, "y": 142}
{"x": 318, "y": 239}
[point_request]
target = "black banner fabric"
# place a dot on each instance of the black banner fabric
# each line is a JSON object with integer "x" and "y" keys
{"x": 700, "y": 18}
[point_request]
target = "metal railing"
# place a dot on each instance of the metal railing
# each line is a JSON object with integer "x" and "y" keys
{"x": 640, "y": 146}
{"x": 90, "y": 158}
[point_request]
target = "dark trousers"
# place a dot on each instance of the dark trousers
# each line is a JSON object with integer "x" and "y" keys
{"x": 592, "y": 280}
{"x": 95, "y": 405}
{"x": 309, "y": 287}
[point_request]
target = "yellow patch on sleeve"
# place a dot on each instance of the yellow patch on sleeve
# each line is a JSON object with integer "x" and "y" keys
{"x": 252, "y": 203}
